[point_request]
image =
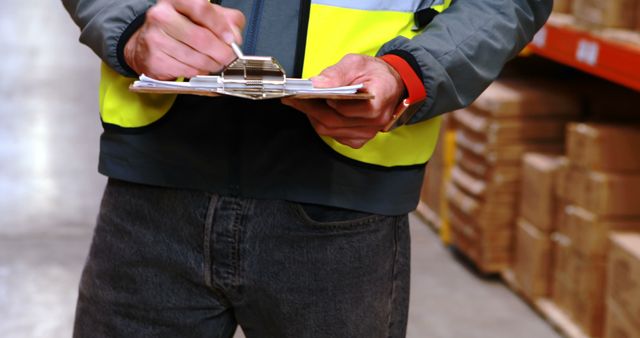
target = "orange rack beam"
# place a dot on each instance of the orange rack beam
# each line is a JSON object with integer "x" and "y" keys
{"x": 615, "y": 61}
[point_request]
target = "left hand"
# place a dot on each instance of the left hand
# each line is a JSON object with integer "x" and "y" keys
{"x": 354, "y": 122}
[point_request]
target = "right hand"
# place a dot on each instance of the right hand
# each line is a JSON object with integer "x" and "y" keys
{"x": 184, "y": 38}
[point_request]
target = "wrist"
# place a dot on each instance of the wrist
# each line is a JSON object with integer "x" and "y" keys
{"x": 400, "y": 85}
{"x": 128, "y": 60}
{"x": 125, "y": 49}
{"x": 415, "y": 92}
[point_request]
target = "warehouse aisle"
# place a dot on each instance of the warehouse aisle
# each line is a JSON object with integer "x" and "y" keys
{"x": 450, "y": 301}
{"x": 49, "y": 194}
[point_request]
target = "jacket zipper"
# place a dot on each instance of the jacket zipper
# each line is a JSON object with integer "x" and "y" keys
{"x": 301, "y": 44}
{"x": 251, "y": 37}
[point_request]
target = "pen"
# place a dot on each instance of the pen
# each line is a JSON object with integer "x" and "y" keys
{"x": 237, "y": 50}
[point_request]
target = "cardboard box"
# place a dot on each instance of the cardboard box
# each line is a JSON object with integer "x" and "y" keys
{"x": 499, "y": 238}
{"x": 575, "y": 185}
{"x": 623, "y": 275}
{"x": 538, "y": 200}
{"x": 617, "y": 324}
{"x": 611, "y": 13}
{"x": 532, "y": 261}
{"x": 562, "y": 277}
{"x": 489, "y": 191}
{"x": 601, "y": 147}
{"x": 562, "y": 6}
{"x": 476, "y": 166}
{"x": 608, "y": 195}
{"x": 624, "y": 36}
{"x": 508, "y": 130}
{"x": 431, "y": 193}
{"x": 484, "y": 214}
{"x": 638, "y": 16}
{"x": 562, "y": 171}
{"x": 506, "y": 98}
{"x": 501, "y": 154}
{"x": 488, "y": 248}
{"x": 560, "y": 219}
{"x": 588, "y": 302}
{"x": 590, "y": 233}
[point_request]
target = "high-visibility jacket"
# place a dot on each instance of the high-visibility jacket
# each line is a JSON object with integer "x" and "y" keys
{"x": 335, "y": 28}
{"x": 263, "y": 149}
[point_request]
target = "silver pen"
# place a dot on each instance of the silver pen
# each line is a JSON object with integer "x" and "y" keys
{"x": 237, "y": 50}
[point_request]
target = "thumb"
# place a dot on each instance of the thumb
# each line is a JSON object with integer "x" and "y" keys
{"x": 333, "y": 76}
{"x": 323, "y": 81}
{"x": 343, "y": 73}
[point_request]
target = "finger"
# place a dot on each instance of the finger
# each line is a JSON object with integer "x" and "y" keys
{"x": 165, "y": 67}
{"x": 343, "y": 73}
{"x": 353, "y": 143}
{"x": 200, "y": 39}
{"x": 189, "y": 56}
{"x": 206, "y": 15}
{"x": 309, "y": 107}
{"x": 328, "y": 116}
{"x": 360, "y": 109}
{"x": 344, "y": 133}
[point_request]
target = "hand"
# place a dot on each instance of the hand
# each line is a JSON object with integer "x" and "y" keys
{"x": 184, "y": 38}
{"x": 354, "y": 122}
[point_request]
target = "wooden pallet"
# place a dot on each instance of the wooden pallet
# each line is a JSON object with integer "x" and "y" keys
{"x": 480, "y": 269}
{"x": 555, "y": 316}
{"x": 558, "y": 319}
{"x": 509, "y": 277}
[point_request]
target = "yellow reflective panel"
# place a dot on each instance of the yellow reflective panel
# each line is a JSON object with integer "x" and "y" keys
{"x": 123, "y": 108}
{"x": 405, "y": 145}
{"x": 334, "y": 32}
{"x": 374, "y": 5}
{"x": 410, "y": 6}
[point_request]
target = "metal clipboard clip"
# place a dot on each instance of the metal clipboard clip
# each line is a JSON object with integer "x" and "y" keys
{"x": 254, "y": 77}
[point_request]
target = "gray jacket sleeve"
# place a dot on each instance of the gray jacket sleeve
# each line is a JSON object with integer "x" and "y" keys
{"x": 104, "y": 22}
{"x": 464, "y": 48}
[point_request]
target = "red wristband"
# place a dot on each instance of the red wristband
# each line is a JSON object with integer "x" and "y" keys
{"x": 415, "y": 89}
{"x": 412, "y": 82}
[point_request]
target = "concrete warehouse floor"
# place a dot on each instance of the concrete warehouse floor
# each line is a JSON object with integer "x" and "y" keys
{"x": 49, "y": 194}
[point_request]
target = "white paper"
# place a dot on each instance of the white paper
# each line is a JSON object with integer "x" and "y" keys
{"x": 214, "y": 82}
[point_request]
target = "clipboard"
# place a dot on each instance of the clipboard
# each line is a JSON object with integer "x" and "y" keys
{"x": 250, "y": 77}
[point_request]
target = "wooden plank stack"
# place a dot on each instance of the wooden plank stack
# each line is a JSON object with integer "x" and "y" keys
{"x": 432, "y": 207}
{"x": 606, "y": 14}
{"x": 599, "y": 186}
{"x": 623, "y": 287}
{"x": 533, "y": 248}
{"x": 509, "y": 119}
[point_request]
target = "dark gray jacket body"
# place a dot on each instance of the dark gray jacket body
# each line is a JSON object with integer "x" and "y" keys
{"x": 266, "y": 150}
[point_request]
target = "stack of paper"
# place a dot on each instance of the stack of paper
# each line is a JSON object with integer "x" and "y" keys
{"x": 215, "y": 85}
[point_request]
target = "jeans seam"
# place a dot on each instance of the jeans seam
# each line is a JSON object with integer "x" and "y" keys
{"x": 394, "y": 280}
{"x": 240, "y": 207}
{"x": 208, "y": 224}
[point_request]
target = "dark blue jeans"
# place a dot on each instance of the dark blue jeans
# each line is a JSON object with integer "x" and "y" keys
{"x": 180, "y": 263}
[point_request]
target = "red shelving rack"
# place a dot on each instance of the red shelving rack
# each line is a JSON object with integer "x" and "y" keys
{"x": 615, "y": 61}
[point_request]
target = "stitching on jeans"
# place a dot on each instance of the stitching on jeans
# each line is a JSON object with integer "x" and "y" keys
{"x": 347, "y": 226}
{"x": 394, "y": 279}
{"x": 208, "y": 224}
{"x": 239, "y": 209}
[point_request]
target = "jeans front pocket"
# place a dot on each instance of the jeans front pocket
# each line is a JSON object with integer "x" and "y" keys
{"x": 333, "y": 217}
